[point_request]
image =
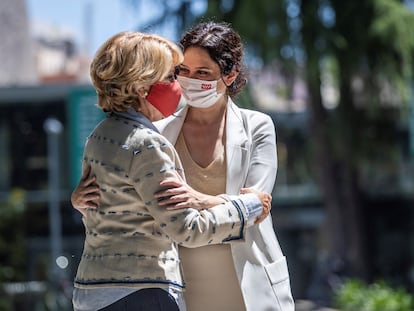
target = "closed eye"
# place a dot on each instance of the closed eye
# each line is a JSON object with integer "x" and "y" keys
{"x": 171, "y": 78}
{"x": 183, "y": 71}
{"x": 200, "y": 74}
{"x": 203, "y": 73}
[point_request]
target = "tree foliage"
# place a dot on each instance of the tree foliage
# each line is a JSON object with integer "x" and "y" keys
{"x": 12, "y": 237}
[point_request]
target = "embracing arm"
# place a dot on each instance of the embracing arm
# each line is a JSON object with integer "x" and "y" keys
{"x": 176, "y": 194}
{"x": 86, "y": 194}
{"x": 179, "y": 195}
{"x": 189, "y": 227}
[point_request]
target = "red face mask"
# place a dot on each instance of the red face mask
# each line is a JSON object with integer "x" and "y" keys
{"x": 165, "y": 96}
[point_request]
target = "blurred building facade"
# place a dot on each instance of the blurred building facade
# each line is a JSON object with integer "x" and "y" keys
{"x": 17, "y": 56}
{"x": 37, "y": 53}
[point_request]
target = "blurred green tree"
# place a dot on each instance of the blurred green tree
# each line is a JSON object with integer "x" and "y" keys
{"x": 371, "y": 46}
{"x": 12, "y": 257}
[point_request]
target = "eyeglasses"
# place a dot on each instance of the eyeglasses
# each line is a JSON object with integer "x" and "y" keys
{"x": 173, "y": 75}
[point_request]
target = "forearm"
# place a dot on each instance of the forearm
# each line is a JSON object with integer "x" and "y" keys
{"x": 189, "y": 226}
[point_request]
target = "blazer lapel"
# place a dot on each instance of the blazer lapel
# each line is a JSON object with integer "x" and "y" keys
{"x": 237, "y": 149}
{"x": 171, "y": 127}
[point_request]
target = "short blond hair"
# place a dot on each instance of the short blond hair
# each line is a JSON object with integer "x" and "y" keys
{"x": 128, "y": 62}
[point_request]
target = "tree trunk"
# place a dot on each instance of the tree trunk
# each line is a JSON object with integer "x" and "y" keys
{"x": 333, "y": 162}
{"x": 352, "y": 205}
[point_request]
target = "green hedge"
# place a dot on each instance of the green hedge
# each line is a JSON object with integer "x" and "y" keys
{"x": 355, "y": 295}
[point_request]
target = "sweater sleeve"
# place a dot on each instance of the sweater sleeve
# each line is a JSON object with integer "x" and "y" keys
{"x": 156, "y": 160}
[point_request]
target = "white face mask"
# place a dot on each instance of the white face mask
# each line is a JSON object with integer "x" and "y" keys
{"x": 199, "y": 93}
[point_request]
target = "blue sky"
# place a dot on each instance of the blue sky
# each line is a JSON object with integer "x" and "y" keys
{"x": 105, "y": 18}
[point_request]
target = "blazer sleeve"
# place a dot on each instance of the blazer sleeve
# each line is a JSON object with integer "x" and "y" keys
{"x": 263, "y": 153}
{"x": 157, "y": 160}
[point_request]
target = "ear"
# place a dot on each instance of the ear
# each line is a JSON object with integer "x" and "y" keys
{"x": 142, "y": 92}
{"x": 229, "y": 79}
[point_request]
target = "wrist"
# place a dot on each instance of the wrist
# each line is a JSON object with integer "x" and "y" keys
{"x": 224, "y": 197}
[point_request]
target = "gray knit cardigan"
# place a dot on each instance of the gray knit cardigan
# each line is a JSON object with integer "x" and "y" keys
{"x": 129, "y": 240}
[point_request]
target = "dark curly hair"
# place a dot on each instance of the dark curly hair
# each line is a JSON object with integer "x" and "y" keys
{"x": 224, "y": 46}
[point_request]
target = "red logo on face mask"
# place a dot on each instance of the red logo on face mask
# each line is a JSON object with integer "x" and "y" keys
{"x": 205, "y": 86}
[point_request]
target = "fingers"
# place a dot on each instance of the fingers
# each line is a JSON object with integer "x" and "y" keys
{"x": 84, "y": 197}
{"x": 91, "y": 204}
{"x": 176, "y": 206}
{"x": 90, "y": 181}
{"x": 171, "y": 182}
{"x": 173, "y": 201}
{"x": 174, "y": 197}
{"x": 266, "y": 200}
{"x": 92, "y": 197}
{"x": 86, "y": 172}
{"x": 87, "y": 194}
{"x": 90, "y": 190}
{"x": 260, "y": 218}
{"x": 174, "y": 185}
{"x": 169, "y": 193}
{"x": 85, "y": 203}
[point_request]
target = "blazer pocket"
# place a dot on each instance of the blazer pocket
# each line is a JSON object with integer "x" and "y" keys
{"x": 277, "y": 271}
{"x": 278, "y": 275}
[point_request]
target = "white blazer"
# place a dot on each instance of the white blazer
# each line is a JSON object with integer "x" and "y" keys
{"x": 251, "y": 156}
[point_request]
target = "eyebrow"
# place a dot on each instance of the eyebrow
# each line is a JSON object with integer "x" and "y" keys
{"x": 198, "y": 68}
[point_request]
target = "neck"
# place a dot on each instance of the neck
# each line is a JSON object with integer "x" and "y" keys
{"x": 209, "y": 115}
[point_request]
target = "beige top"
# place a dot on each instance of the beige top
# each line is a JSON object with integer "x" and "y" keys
{"x": 209, "y": 274}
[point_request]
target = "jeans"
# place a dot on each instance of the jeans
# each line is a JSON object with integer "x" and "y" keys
{"x": 149, "y": 299}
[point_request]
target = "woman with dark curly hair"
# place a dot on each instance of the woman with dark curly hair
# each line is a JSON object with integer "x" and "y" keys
{"x": 224, "y": 149}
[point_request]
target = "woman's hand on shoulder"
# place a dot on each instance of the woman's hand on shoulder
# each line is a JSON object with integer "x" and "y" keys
{"x": 86, "y": 194}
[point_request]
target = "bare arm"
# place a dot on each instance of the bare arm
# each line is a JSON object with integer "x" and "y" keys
{"x": 179, "y": 195}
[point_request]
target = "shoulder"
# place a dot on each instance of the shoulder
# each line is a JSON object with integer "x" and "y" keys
{"x": 145, "y": 137}
{"x": 256, "y": 121}
{"x": 179, "y": 114}
{"x": 248, "y": 115}
{"x": 255, "y": 116}
{"x": 164, "y": 122}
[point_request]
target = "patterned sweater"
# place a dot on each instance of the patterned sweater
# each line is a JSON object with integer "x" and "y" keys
{"x": 129, "y": 240}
